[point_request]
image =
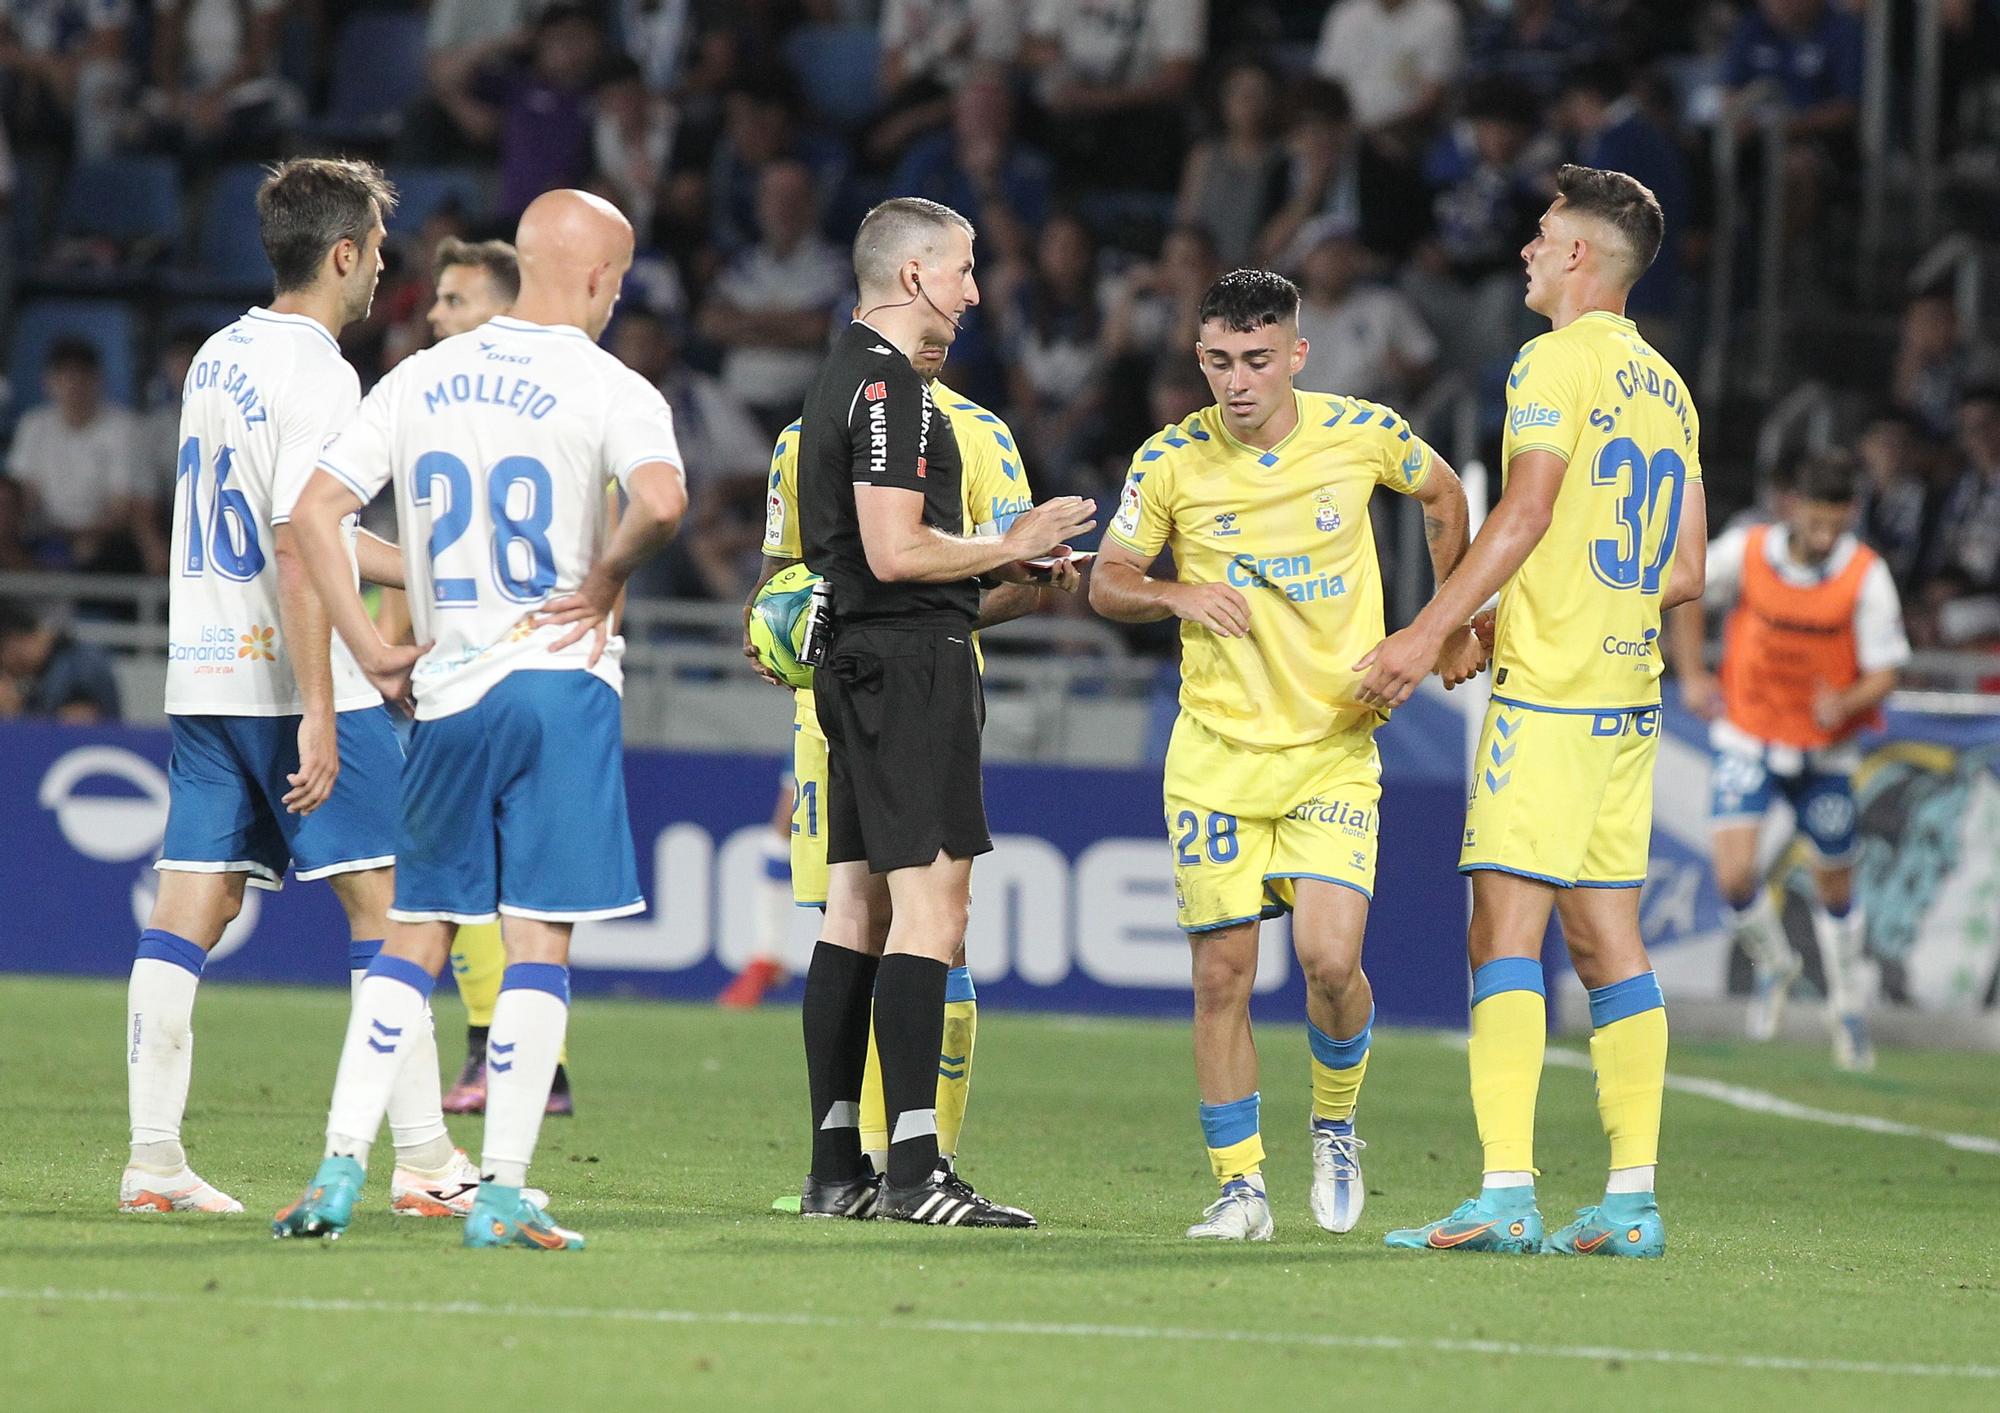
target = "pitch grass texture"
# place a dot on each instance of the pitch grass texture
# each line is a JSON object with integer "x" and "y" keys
{"x": 1801, "y": 1257}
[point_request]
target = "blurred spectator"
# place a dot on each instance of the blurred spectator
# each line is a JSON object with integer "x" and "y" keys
{"x": 64, "y": 62}
{"x": 533, "y": 102}
{"x": 79, "y": 458}
{"x": 980, "y": 171}
{"x": 17, "y": 551}
{"x": 1233, "y": 182}
{"x": 1935, "y": 362}
{"x": 725, "y": 454}
{"x": 45, "y": 672}
{"x": 1054, "y": 323}
{"x": 462, "y": 38}
{"x": 1803, "y": 58}
{"x": 1174, "y": 393}
{"x": 160, "y": 423}
{"x": 1531, "y": 43}
{"x": 771, "y": 309}
{"x": 1367, "y": 340}
{"x": 761, "y": 126}
{"x": 1154, "y": 307}
{"x": 1339, "y": 179}
{"x": 1968, "y": 542}
{"x": 1609, "y": 125}
{"x": 632, "y": 141}
{"x": 1112, "y": 79}
{"x": 1395, "y": 58}
{"x": 1897, "y": 506}
{"x": 1467, "y": 278}
{"x": 215, "y": 74}
{"x": 930, "y": 48}
{"x": 659, "y": 36}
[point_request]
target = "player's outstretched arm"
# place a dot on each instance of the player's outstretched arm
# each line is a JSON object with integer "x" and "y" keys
{"x": 322, "y": 548}
{"x": 1121, "y": 590}
{"x": 656, "y": 499}
{"x": 1401, "y": 660}
{"x": 1690, "y": 573}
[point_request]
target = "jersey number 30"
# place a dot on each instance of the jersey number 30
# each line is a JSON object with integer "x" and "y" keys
{"x": 1621, "y": 560}
{"x": 520, "y": 502}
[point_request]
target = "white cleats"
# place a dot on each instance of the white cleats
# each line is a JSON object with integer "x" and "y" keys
{"x": 142, "y": 1190}
{"x": 1853, "y": 1049}
{"x": 1338, "y": 1193}
{"x": 1770, "y": 988}
{"x": 1240, "y": 1214}
{"x": 448, "y": 1193}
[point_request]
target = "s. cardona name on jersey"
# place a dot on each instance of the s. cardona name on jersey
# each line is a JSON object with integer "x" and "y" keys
{"x": 501, "y": 443}
{"x": 262, "y": 400}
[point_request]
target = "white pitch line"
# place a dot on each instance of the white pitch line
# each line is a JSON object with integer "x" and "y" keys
{"x": 1761, "y": 1101}
{"x": 1391, "y": 1344}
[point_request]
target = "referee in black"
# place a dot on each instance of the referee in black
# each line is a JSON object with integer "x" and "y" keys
{"x": 880, "y": 515}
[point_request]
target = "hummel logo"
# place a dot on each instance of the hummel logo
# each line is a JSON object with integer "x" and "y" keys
{"x": 1514, "y": 378}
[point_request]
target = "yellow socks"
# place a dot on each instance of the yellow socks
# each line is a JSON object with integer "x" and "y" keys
{"x": 1235, "y": 1146}
{"x": 1628, "y": 1049}
{"x": 477, "y": 960}
{"x": 1509, "y": 1033}
{"x": 954, "y": 1086}
{"x": 1338, "y": 1067}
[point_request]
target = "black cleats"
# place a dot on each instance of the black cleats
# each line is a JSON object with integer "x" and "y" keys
{"x": 855, "y": 1198}
{"x": 947, "y": 1200}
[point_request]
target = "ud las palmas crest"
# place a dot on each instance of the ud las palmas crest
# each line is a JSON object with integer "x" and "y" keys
{"x": 1326, "y": 514}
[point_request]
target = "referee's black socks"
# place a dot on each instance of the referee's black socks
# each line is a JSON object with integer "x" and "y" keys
{"x": 839, "y": 987}
{"x": 909, "y": 1028}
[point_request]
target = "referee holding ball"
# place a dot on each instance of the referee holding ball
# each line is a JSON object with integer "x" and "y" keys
{"x": 900, "y": 702}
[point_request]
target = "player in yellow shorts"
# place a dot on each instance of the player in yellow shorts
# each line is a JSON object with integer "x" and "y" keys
{"x": 1272, "y": 779}
{"x": 996, "y": 491}
{"x": 1601, "y": 526}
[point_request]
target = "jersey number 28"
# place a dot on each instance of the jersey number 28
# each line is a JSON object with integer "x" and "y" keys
{"x": 1621, "y": 560}
{"x": 520, "y": 501}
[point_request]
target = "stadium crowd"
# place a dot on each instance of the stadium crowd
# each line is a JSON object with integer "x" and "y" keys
{"x": 1115, "y": 155}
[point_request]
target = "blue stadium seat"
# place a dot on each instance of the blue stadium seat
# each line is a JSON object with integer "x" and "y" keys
{"x": 229, "y": 251}
{"x": 125, "y": 198}
{"x": 421, "y": 191}
{"x": 378, "y": 71}
{"x": 109, "y": 324}
{"x": 837, "y": 67}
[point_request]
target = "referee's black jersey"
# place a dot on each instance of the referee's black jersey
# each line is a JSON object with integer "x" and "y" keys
{"x": 869, "y": 420}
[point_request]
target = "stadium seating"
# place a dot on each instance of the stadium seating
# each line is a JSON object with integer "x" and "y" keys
{"x": 421, "y": 191}
{"x": 378, "y": 71}
{"x": 128, "y": 199}
{"x": 836, "y": 66}
{"x": 109, "y": 324}
{"x": 228, "y": 254}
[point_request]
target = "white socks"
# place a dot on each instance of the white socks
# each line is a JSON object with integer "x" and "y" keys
{"x": 159, "y": 1045}
{"x": 1761, "y": 931}
{"x": 529, "y": 1022}
{"x": 1839, "y": 940}
{"x": 416, "y": 1102}
{"x": 391, "y": 1010}
{"x": 1507, "y": 1179}
{"x": 1629, "y": 1180}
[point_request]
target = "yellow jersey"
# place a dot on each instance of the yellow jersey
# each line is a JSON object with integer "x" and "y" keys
{"x": 1289, "y": 529}
{"x": 1579, "y": 621}
{"x": 994, "y": 485}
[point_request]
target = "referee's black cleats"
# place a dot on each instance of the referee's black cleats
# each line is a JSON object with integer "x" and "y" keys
{"x": 857, "y": 1198}
{"x": 947, "y": 1200}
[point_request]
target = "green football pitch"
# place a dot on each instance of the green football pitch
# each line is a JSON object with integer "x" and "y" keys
{"x": 1812, "y": 1261}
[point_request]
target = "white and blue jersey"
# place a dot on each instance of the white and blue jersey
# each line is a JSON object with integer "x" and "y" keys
{"x": 500, "y": 443}
{"x": 263, "y": 397}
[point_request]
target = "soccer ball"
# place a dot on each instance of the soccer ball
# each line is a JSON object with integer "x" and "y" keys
{"x": 778, "y": 623}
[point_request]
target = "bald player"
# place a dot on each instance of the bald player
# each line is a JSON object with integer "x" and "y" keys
{"x": 499, "y": 443}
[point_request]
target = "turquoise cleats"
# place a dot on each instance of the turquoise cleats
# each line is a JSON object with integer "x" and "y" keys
{"x": 1502, "y": 1219}
{"x": 501, "y": 1216}
{"x": 1623, "y": 1224}
{"x": 328, "y": 1203}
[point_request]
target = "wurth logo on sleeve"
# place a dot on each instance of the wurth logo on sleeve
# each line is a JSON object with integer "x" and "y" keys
{"x": 875, "y": 392}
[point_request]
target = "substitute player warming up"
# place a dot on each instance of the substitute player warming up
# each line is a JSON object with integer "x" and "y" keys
{"x": 499, "y": 443}
{"x": 1272, "y": 780}
{"x": 1601, "y": 526}
{"x": 1809, "y": 656}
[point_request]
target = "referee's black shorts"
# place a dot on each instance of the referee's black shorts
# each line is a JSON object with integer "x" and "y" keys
{"x": 902, "y": 708}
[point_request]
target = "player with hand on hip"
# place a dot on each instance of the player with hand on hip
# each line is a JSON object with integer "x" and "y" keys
{"x": 1601, "y": 526}
{"x": 1273, "y": 782}
{"x": 499, "y": 443}
{"x": 1814, "y": 638}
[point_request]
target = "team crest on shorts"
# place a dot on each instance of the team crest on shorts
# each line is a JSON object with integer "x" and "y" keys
{"x": 1326, "y": 514}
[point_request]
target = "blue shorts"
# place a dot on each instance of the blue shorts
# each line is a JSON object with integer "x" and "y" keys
{"x": 226, "y": 791}
{"x": 517, "y": 805}
{"x": 1742, "y": 789}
